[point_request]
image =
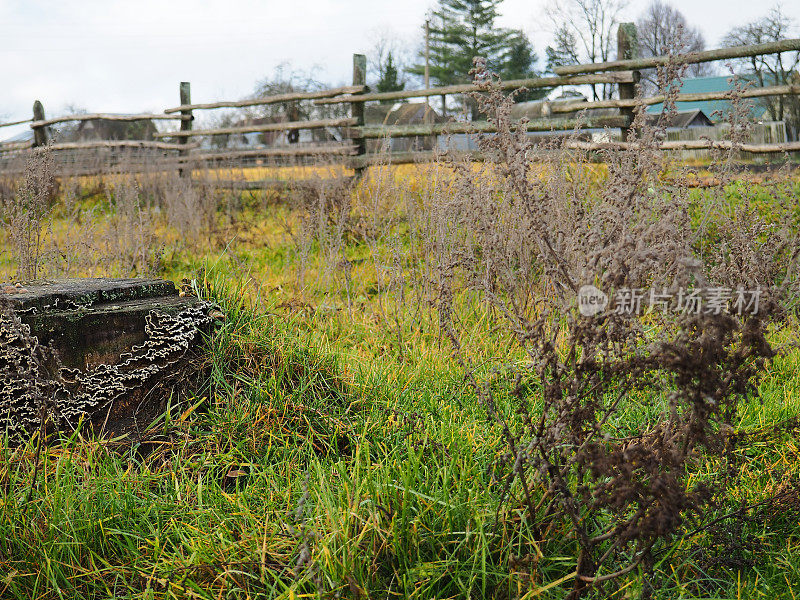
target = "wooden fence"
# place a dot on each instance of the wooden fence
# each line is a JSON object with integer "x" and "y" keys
{"x": 175, "y": 148}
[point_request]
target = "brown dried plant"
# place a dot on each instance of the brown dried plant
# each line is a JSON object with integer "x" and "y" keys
{"x": 25, "y": 210}
{"x": 131, "y": 228}
{"x": 526, "y": 232}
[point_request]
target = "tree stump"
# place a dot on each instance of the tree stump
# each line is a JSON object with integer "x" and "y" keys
{"x": 119, "y": 346}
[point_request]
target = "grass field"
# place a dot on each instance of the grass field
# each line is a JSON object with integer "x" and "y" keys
{"x": 336, "y": 447}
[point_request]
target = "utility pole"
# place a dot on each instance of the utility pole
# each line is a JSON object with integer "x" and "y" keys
{"x": 427, "y": 57}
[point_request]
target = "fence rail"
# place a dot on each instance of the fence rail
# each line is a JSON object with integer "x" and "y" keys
{"x": 692, "y": 58}
{"x": 538, "y": 82}
{"x": 400, "y": 158}
{"x": 22, "y": 122}
{"x": 346, "y": 150}
{"x": 690, "y": 145}
{"x": 775, "y": 90}
{"x": 115, "y": 144}
{"x": 351, "y": 133}
{"x": 285, "y": 126}
{"x": 394, "y": 131}
{"x": 103, "y": 117}
{"x": 277, "y": 99}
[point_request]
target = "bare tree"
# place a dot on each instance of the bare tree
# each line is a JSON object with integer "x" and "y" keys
{"x": 564, "y": 50}
{"x": 662, "y": 29}
{"x": 67, "y": 132}
{"x": 593, "y": 26}
{"x": 771, "y": 69}
{"x": 287, "y": 79}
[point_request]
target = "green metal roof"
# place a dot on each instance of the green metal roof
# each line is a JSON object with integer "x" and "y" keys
{"x": 716, "y": 110}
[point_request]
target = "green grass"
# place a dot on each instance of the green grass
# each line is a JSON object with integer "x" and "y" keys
{"x": 380, "y": 470}
{"x": 326, "y": 455}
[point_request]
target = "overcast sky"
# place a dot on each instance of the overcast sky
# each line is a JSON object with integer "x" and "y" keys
{"x": 129, "y": 56}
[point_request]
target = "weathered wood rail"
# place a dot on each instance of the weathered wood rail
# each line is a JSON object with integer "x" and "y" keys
{"x": 285, "y": 126}
{"x": 393, "y": 131}
{"x": 690, "y": 145}
{"x": 22, "y": 122}
{"x": 277, "y": 99}
{"x": 351, "y": 150}
{"x": 776, "y": 90}
{"x": 689, "y": 59}
{"x": 103, "y": 117}
{"x": 539, "y": 82}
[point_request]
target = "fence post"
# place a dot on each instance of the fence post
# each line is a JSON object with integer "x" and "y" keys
{"x": 39, "y": 133}
{"x": 627, "y": 48}
{"x": 186, "y": 124}
{"x": 357, "y": 112}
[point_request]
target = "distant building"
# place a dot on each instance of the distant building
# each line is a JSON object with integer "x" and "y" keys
{"x": 683, "y": 119}
{"x": 23, "y": 136}
{"x": 107, "y": 129}
{"x": 409, "y": 113}
{"x": 717, "y": 110}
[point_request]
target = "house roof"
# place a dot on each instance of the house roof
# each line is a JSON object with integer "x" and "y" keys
{"x": 376, "y": 113}
{"x": 683, "y": 119}
{"x": 716, "y": 110}
{"x": 23, "y": 136}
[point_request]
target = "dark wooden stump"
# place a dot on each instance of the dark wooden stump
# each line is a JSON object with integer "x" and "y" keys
{"x": 121, "y": 343}
{"x": 90, "y": 322}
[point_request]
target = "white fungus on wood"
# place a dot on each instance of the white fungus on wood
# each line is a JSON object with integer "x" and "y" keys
{"x": 25, "y": 385}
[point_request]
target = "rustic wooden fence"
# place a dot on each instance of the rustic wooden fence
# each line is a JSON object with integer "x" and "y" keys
{"x": 176, "y": 148}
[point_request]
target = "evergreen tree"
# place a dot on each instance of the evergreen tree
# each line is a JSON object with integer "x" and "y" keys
{"x": 463, "y": 29}
{"x": 389, "y": 76}
{"x": 518, "y": 61}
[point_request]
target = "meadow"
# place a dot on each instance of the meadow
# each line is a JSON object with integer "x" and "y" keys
{"x": 403, "y": 400}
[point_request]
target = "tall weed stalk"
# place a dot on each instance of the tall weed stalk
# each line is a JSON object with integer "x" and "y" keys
{"x": 526, "y": 233}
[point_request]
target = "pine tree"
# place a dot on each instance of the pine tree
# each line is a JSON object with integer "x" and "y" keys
{"x": 463, "y": 29}
{"x": 518, "y": 60}
{"x": 389, "y": 76}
